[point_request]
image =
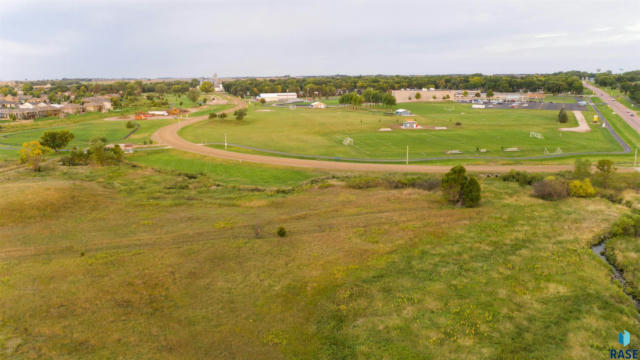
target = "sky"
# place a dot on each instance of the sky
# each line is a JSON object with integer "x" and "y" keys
{"x": 185, "y": 38}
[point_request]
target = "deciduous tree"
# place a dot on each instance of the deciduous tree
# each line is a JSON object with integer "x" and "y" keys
{"x": 33, "y": 153}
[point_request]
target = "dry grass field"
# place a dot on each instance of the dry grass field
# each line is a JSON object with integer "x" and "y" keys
{"x": 130, "y": 262}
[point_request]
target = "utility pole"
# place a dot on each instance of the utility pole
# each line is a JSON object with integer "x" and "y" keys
{"x": 407, "y": 154}
{"x": 225, "y": 141}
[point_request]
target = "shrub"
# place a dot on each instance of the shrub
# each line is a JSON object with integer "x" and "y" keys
{"x": 459, "y": 188}
{"x": 471, "y": 192}
{"x": 581, "y": 169}
{"x": 213, "y": 115}
{"x": 551, "y": 189}
{"x": 562, "y": 116}
{"x": 458, "y": 123}
{"x": 578, "y": 188}
{"x": 75, "y": 157}
{"x": 130, "y": 125}
{"x": 627, "y": 225}
{"x": 282, "y": 232}
{"x": 606, "y": 170}
{"x": 612, "y": 196}
{"x": 240, "y": 114}
{"x": 452, "y": 182}
{"x": 521, "y": 177}
{"x": 362, "y": 182}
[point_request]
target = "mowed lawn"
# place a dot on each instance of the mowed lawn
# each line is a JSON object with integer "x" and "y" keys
{"x": 128, "y": 262}
{"x": 323, "y": 131}
{"x": 563, "y": 99}
{"x": 114, "y": 131}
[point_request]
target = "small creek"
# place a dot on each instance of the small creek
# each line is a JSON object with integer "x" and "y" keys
{"x": 599, "y": 249}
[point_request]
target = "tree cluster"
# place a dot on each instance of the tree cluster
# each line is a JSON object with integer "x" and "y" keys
{"x": 323, "y": 86}
{"x": 628, "y": 83}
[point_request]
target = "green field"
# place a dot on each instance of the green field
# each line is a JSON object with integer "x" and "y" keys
{"x": 322, "y": 132}
{"x": 210, "y": 109}
{"x": 563, "y": 99}
{"x": 227, "y": 172}
{"x": 133, "y": 263}
{"x": 114, "y": 131}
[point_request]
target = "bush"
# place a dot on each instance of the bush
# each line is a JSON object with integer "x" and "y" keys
{"x": 363, "y": 182}
{"x": 76, "y": 157}
{"x": 611, "y": 195}
{"x": 452, "y": 182}
{"x": 551, "y": 189}
{"x": 282, "y": 232}
{"x": 130, "y": 125}
{"x": 471, "y": 192}
{"x": 578, "y": 188}
{"x": 213, "y": 115}
{"x": 521, "y": 177}
{"x": 562, "y": 116}
{"x": 459, "y": 188}
{"x": 581, "y": 169}
{"x": 627, "y": 225}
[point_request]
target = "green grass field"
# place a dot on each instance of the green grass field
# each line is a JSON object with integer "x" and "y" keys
{"x": 210, "y": 109}
{"x": 227, "y": 172}
{"x": 114, "y": 131}
{"x": 133, "y": 263}
{"x": 560, "y": 99}
{"x": 322, "y": 132}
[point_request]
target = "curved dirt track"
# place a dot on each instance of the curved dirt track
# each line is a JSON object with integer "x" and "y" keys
{"x": 168, "y": 135}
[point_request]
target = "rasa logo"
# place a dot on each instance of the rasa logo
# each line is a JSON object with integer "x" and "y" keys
{"x": 624, "y": 338}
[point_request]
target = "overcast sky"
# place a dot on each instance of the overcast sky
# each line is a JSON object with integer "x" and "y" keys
{"x": 184, "y": 38}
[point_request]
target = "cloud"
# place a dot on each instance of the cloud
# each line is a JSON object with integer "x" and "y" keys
{"x": 633, "y": 28}
{"x": 16, "y": 48}
{"x": 601, "y": 29}
{"x": 553, "y": 35}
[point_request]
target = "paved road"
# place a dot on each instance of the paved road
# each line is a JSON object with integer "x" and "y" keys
{"x": 618, "y": 108}
{"x": 168, "y": 135}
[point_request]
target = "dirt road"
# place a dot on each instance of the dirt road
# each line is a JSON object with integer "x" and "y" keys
{"x": 168, "y": 135}
{"x": 618, "y": 108}
{"x": 582, "y": 124}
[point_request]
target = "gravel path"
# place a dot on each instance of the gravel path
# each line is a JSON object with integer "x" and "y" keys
{"x": 582, "y": 127}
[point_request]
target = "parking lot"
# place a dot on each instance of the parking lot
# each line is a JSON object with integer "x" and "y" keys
{"x": 534, "y": 105}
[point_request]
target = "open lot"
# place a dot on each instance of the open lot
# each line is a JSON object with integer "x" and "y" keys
{"x": 324, "y": 132}
{"x": 135, "y": 263}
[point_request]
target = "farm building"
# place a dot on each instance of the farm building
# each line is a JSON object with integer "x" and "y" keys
{"x": 276, "y": 97}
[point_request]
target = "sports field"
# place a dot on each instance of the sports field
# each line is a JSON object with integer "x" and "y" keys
{"x": 325, "y": 132}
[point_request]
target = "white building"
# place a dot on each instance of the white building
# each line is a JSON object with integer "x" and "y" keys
{"x": 275, "y": 97}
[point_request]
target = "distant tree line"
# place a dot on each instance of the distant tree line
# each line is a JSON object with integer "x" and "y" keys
{"x": 628, "y": 83}
{"x": 324, "y": 86}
